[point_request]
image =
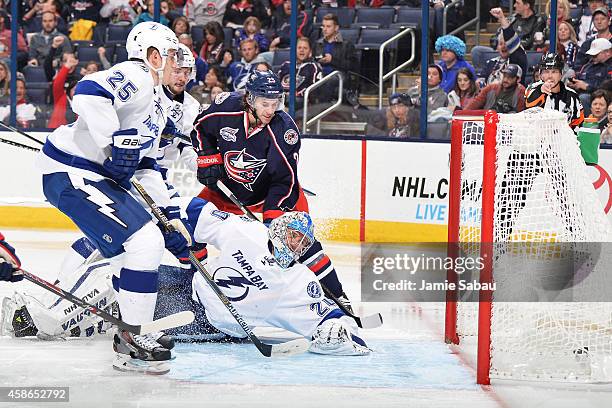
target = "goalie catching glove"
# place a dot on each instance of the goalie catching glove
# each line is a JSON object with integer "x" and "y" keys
{"x": 338, "y": 337}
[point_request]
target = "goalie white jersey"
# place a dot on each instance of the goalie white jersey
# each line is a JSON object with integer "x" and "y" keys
{"x": 249, "y": 276}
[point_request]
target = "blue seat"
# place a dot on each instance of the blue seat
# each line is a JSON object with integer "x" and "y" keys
{"x": 197, "y": 34}
{"x": 228, "y": 32}
{"x": 373, "y": 38}
{"x": 409, "y": 15}
{"x": 34, "y": 74}
{"x": 86, "y": 54}
{"x": 345, "y": 15}
{"x": 533, "y": 58}
{"x": 350, "y": 34}
{"x": 120, "y": 54}
{"x": 365, "y": 25}
{"x": 280, "y": 56}
{"x": 117, "y": 33}
{"x": 37, "y": 96}
{"x": 382, "y": 16}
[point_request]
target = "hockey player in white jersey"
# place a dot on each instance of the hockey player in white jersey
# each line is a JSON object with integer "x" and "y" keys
{"x": 87, "y": 167}
{"x": 256, "y": 269}
{"x": 181, "y": 109}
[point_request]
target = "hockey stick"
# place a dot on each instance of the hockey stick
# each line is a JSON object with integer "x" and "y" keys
{"x": 174, "y": 320}
{"x": 17, "y": 144}
{"x": 367, "y": 322}
{"x": 12, "y": 129}
{"x": 269, "y": 350}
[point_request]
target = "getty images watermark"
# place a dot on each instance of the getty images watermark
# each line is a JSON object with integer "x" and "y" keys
{"x": 397, "y": 273}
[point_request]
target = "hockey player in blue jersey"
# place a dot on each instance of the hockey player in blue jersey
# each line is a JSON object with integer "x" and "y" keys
{"x": 87, "y": 167}
{"x": 252, "y": 145}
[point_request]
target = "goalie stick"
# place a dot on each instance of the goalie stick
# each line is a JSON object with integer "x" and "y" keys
{"x": 367, "y": 322}
{"x": 173, "y": 320}
{"x": 269, "y": 350}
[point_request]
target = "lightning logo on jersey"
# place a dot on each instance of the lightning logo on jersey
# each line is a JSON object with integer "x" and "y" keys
{"x": 103, "y": 202}
{"x": 236, "y": 284}
{"x": 243, "y": 168}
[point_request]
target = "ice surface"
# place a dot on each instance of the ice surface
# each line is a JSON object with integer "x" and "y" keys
{"x": 411, "y": 366}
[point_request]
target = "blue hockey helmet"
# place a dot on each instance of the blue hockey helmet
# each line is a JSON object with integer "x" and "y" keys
{"x": 264, "y": 84}
{"x": 291, "y": 235}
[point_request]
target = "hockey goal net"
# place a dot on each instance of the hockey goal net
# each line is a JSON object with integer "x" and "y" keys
{"x": 520, "y": 198}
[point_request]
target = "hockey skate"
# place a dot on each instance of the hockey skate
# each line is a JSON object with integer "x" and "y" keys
{"x": 337, "y": 337}
{"x": 140, "y": 353}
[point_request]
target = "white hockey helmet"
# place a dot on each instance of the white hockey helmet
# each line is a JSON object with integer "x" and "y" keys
{"x": 185, "y": 59}
{"x": 151, "y": 35}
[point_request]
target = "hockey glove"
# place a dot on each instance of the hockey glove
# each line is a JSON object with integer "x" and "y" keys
{"x": 9, "y": 262}
{"x": 179, "y": 241}
{"x": 200, "y": 252}
{"x": 210, "y": 169}
{"x": 171, "y": 131}
{"x": 125, "y": 157}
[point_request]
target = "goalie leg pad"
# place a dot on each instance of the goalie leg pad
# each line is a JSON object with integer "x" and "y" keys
{"x": 338, "y": 337}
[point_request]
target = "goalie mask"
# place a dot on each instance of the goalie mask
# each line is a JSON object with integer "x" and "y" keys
{"x": 291, "y": 235}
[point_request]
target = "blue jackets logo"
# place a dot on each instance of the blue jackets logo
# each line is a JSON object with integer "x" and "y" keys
{"x": 228, "y": 134}
{"x": 242, "y": 167}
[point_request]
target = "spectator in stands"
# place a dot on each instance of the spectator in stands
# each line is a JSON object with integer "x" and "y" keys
{"x": 200, "y": 65}
{"x": 606, "y": 134}
{"x": 332, "y": 51}
{"x": 567, "y": 38}
{"x": 214, "y": 78}
{"x": 118, "y": 12}
{"x": 456, "y": 15}
{"x": 180, "y": 25}
{"x": 55, "y": 58}
{"x": 239, "y": 71}
{"x": 586, "y": 29}
{"x": 595, "y": 72}
{"x": 63, "y": 91}
{"x": 33, "y": 11}
{"x": 25, "y": 112}
{"x": 307, "y": 71}
{"x": 252, "y": 29}
{"x": 202, "y": 12}
{"x": 5, "y": 41}
{"x": 213, "y": 51}
{"x": 599, "y": 105}
{"x": 601, "y": 22}
{"x": 465, "y": 90}
{"x": 504, "y": 97}
{"x": 90, "y": 68}
{"x": 452, "y": 52}
{"x": 281, "y": 26}
{"x": 147, "y": 14}
{"x": 237, "y": 12}
{"x": 5, "y": 83}
{"x": 525, "y": 23}
{"x": 402, "y": 119}
{"x": 509, "y": 48}
{"x": 563, "y": 11}
{"x": 86, "y": 10}
{"x": 103, "y": 60}
{"x": 436, "y": 97}
{"x": 40, "y": 43}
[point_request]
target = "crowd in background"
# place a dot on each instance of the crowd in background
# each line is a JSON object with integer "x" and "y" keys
{"x": 60, "y": 41}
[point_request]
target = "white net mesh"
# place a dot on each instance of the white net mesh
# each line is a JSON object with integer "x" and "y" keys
{"x": 543, "y": 198}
